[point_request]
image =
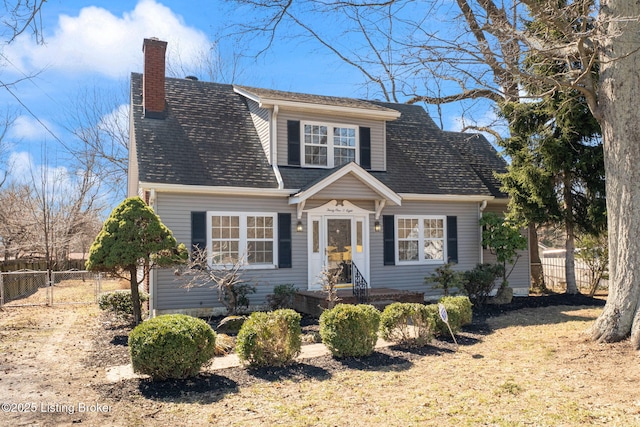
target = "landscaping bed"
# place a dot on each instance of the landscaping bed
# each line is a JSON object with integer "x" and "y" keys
{"x": 110, "y": 349}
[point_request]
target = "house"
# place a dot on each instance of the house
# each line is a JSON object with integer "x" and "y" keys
{"x": 295, "y": 182}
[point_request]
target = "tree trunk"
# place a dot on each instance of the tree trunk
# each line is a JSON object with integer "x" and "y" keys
{"x": 570, "y": 240}
{"x": 618, "y": 95}
{"x": 537, "y": 274}
{"x": 135, "y": 295}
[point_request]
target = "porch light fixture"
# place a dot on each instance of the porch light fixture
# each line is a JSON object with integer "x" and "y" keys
{"x": 299, "y": 226}
{"x": 376, "y": 226}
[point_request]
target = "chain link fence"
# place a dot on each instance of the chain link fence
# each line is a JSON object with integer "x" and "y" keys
{"x": 31, "y": 287}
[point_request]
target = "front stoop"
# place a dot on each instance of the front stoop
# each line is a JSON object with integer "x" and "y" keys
{"x": 314, "y": 302}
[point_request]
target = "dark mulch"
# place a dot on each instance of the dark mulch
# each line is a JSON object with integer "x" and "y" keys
{"x": 110, "y": 348}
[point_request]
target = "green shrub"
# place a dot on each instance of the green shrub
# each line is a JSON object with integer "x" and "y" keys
{"x": 350, "y": 330}
{"x": 480, "y": 281}
{"x": 270, "y": 339}
{"x": 459, "y": 313}
{"x": 119, "y": 302}
{"x": 407, "y": 324}
{"x": 171, "y": 346}
{"x": 447, "y": 279}
{"x": 282, "y": 296}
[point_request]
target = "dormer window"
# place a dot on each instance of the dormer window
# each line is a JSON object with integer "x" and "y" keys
{"x": 329, "y": 145}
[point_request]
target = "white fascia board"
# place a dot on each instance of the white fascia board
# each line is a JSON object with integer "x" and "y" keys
{"x": 246, "y": 94}
{"x": 444, "y": 197}
{"x": 362, "y": 175}
{"x": 205, "y": 189}
{"x": 351, "y": 111}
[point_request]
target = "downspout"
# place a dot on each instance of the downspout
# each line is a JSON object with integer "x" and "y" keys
{"x": 274, "y": 147}
{"x": 481, "y": 209}
{"x": 150, "y": 276}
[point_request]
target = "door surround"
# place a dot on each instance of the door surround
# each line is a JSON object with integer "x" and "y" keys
{"x": 317, "y": 237}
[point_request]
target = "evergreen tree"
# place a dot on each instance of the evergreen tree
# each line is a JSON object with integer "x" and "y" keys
{"x": 556, "y": 175}
{"x": 134, "y": 239}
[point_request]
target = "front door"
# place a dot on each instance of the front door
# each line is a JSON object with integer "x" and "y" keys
{"x": 336, "y": 244}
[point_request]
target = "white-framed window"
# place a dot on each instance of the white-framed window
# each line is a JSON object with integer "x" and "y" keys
{"x": 328, "y": 145}
{"x": 247, "y": 236}
{"x": 420, "y": 239}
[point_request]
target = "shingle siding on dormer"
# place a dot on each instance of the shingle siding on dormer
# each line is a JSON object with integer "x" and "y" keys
{"x": 378, "y": 143}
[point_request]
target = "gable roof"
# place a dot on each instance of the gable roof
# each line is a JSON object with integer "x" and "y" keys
{"x": 336, "y": 174}
{"x": 209, "y": 139}
{"x": 301, "y": 101}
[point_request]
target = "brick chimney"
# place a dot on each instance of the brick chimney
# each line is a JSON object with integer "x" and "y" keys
{"x": 153, "y": 78}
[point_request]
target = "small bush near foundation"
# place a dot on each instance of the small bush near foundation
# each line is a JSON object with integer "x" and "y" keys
{"x": 171, "y": 346}
{"x": 458, "y": 311}
{"x": 282, "y": 296}
{"x": 119, "y": 302}
{"x": 407, "y": 324}
{"x": 270, "y": 339}
{"x": 480, "y": 281}
{"x": 350, "y": 330}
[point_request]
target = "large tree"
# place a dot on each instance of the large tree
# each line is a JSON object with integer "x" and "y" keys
{"x": 132, "y": 240}
{"x": 399, "y": 46}
{"x": 556, "y": 172}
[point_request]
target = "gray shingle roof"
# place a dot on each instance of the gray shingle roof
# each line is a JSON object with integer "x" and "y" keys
{"x": 208, "y": 138}
{"x": 313, "y": 99}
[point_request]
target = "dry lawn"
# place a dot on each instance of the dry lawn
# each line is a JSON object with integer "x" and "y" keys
{"x": 533, "y": 367}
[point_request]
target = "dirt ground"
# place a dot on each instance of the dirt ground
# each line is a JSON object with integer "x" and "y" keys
{"x": 520, "y": 365}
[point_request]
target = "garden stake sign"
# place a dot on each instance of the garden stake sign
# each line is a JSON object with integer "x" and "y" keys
{"x": 445, "y": 318}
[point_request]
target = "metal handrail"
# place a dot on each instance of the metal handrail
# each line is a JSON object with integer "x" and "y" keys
{"x": 360, "y": 285}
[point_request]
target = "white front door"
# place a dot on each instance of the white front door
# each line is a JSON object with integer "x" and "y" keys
{"x": 337, "y": 242}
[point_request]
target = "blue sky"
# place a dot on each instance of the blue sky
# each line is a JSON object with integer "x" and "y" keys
{"x": 98, "y": 44}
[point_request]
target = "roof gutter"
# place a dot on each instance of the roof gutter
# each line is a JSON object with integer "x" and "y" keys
{"x": 208, "y": 189}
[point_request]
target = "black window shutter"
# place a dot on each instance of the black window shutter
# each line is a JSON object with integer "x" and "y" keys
{"x": 452, "y": 239}
{"x": 389, "y": 237}
{"x": 293, "y": 142}
{"x": 365, "y": 147}
{"x": 284, "y": 240}
{"x": 199, "y": 230}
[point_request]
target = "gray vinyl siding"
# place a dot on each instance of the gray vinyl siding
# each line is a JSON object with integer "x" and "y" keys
{"x": 260, "y": 117}
{"x": 378, "y": 147}
{"x": 520, "y": 278}
{"x": 348, "y": 187}
{"x": 175, "y": 212}
{"x": 411, "y": 276}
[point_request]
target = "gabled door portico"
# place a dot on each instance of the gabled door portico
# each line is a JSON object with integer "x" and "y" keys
{"x": 338, "y": 238}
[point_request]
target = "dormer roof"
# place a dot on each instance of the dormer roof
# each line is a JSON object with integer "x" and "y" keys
{"x": 268, "y": 98}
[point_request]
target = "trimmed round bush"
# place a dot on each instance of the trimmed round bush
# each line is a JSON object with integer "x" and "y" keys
{"x": 171, "y": 346}
{"x": 350, "y": 330}
{"x": 407, "y": 324}
{"x": 119, "y": 302}
{"x": 270, "y": 339}
{"x": 458, "y": 311}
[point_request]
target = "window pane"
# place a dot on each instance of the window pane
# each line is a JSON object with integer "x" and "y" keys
{"x": 316, "y": 236}
{"x": 434, "y": 249}
{"x": 408, "y": 250}
{"x": 359, "y": 227}
{"x": 260, "y": 252}
{"x": 315, "y": 155}
{"x": 342, "y": 156}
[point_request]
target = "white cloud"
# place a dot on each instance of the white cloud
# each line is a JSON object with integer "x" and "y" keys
{"x": 97, "y": 41}
{"x": 28, "y": 128}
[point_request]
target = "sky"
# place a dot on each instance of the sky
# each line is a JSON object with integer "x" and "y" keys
{"x": 97, "y": 44}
